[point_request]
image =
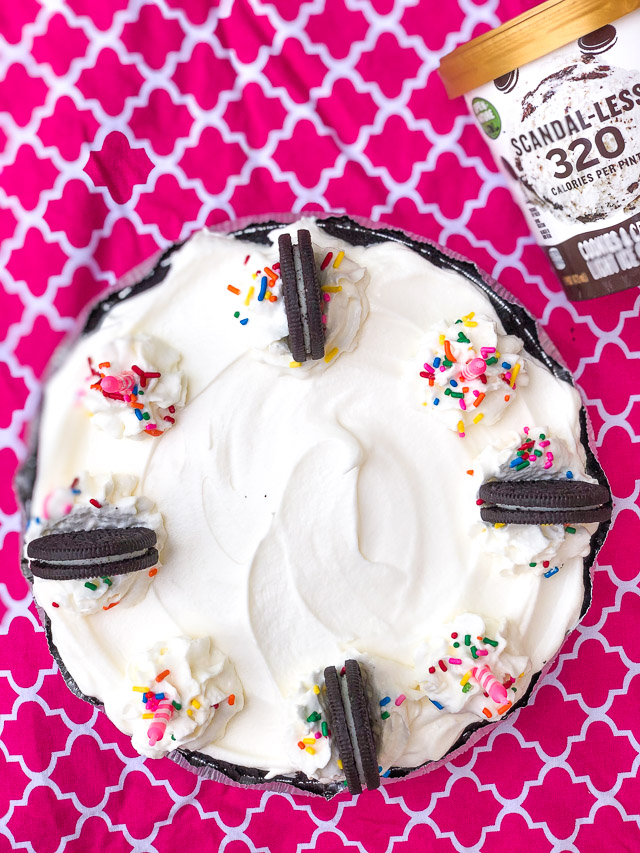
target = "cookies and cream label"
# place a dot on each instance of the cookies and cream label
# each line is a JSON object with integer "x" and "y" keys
{"x": 566, "y": 130}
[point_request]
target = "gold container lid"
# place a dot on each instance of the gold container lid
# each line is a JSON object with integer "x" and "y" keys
{"x": 523, "y": 39}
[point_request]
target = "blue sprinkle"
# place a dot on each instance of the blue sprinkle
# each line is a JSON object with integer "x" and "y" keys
{"x": 436, "y": 402}
{"x": 453, "y": 382}
{"x": 144, "y": 698}
{"x": 135, "y": 390}
{"x": 159, "y": 695}
{"x": 388, "y": 773}
{"x": 437, "y": 704}
{"x": 551, "y": 572}
{"x": 569, "y": 475}
{"x": 506, "y": 365}
{"x": 75, "y": 491}
{"x": 37, "y": 519}
{"x": 436, "y": 361}
{"x": 244, "y": 322}
{"x": 138, "y": 414}
{"x": 385, "y": 701}
{"x": 263, "y": 289}
{"x": 515, "y": 462}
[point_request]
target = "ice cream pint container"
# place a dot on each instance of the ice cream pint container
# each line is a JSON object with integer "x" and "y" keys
{"x": 556, "y": 94}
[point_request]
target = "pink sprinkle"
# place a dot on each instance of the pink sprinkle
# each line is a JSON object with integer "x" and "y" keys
{"x": 507, "y": 375}
{"x": 476, "y": 393}
{"x": 455, "y": 660}
{"x": 400, "y": 699}
{"x": 151, "y": 426}
{"x": 526, "y": 430}
{"x": 549, "y": 455}
{"x": 326, "y": 297}
{"x": 548, "y": 464}
{"x": 482, "y": 652}
{"x": 442, "y": 368}
{"x": 126, "y": 397}
{"x": 463, "y": 405}
{"x": 484, "y": 351}
{"x": 545, "y": 443}
{"x": 324, "y": 319}
{"x": 428, "y": 368}
{"x": 317, "y": 735}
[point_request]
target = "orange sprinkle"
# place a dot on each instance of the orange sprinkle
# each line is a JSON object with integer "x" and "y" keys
{"x": 233, "y": 289}
{"x": 163, "y": 675}
{"x": 272, "y": 275}
{"x": 153, "y": 572}
{"x": 301, "y": 745}
{"x": 447, "y": 351}
{"x": 507, "y": 397}
{"x": 153, "y": 431}
{"x": 487, "y": 713}
{"x": 109, "y": 606}
{"x": 95, "y": 386}
{"x": 465, "y": 390}
{"x": 135, "y": 405}
{"x": 104, "y": 364}
{"x": 273, "y": 297}
{"x": 504, "y": 708}
{"x": 470, "y": 471}
{"x": 478, "y": 400}
{"x": 232, "y": 698}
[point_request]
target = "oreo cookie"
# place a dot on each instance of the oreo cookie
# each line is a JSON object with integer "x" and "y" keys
{"x": 302, "y": 296}
{"x": 83, "y": 554}
{"x": 351, "y": 726}
{"x": 544, "y": 502}
{"x": 598, "y": 41}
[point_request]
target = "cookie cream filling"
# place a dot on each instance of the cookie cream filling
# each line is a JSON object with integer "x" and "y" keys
{"x": 308, "y": 519}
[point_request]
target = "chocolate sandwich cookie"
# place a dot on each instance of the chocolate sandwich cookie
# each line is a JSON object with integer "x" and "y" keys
{"x": 83, "y": 554}
{"x": 351, "y": 726}
{"x": 302, "y": 296}
{"x": 544, "y": 502}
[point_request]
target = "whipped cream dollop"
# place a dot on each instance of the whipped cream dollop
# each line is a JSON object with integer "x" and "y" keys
{"x": 136, "y": 387}
{"x": 186, "y": 691}
{"x": 532, "y": 453}
{"x": 311, "y": 521}
{"x": 263, "y": 322}
{"x": 96, "y": 502}
{"x": 469, "y": 373}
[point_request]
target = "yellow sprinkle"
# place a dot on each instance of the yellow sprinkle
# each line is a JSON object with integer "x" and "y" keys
{"x": 469, "y": 324}
{"x": 499, "y": 524}
{"x": 460, "y": 426}
{"x": 331, "y": 288}
{"x": 316, "y": 689}
{"x": 141, "y": 689}
{"x": 195, "y": 703}
{"x": 295, "y": 363}
{"x": 340, "y": 764}
{"x": 521, "y": 674}
{"x": 308, "y": 740}
{"x": 441, "y": 340}
{"x": 310, "y": 750}
{"x": 465, "y": 677}
{"x": 249, "y": 295}
{"x": 496, "y": 354}
{"x": 424, "y": 404}
{"x": 478, "y": 418}
{"x": 331, "y": 354}
{"x": 190, "y": 712}
{"x": 469, "y": 316}
{"x": 255, "y": 275}
{"x": 338, "y": 260}
{"x": 514, "y": 373}
{"x": 147, "y": 716}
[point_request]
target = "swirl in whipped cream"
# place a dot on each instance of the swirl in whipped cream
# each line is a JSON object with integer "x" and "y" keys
{"x": 95, "y": 502}
{"x": 470, "y": 372}
{"x": 197, "y": 680}
{"x": 137, "y": 388}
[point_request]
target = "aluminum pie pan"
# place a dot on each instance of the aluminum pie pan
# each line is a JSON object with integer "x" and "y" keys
{"x": 515, "y": 319}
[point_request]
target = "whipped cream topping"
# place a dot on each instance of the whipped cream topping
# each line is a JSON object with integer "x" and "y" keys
{"x": 470, "y": 371}
{"x": 309, "y": 521}
{"x": 194, "y": 682}
{"x": 533, "y": 453}
{"x": 137, "y": 387}
{"x": 68, "y": 509}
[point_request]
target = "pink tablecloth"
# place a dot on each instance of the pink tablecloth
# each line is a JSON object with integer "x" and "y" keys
{"x": 128, "y": 124}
